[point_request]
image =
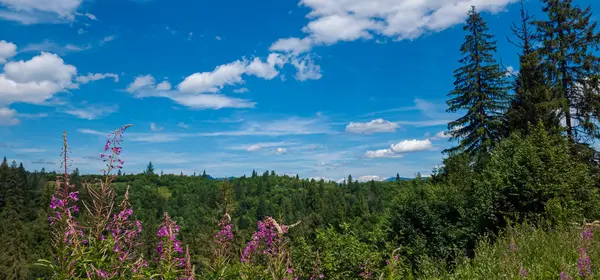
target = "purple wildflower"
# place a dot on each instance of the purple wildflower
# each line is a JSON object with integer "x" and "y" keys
{"x": 584, "y": 264}
{"x": 523, "y": 272}
{"x": 587, "y": 235}
{"x": 565, "y": 276}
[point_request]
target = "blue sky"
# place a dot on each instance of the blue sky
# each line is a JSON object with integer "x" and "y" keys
{"x": 319, "y": 88}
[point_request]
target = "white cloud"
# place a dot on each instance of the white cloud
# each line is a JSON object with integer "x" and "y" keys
{"x": 266, "y": 70}
{"x": 44, "y": 67}
{"x": 511, "y": 71}
{"x": 39, "y": 11}
{"x": 258, "y": 146}
{"x": 292, "y": 45}
{"x": 90, "y": 16}
{"x": 164, "y": 85}
{"x": 140, "y": 82}
{"x": 92, "y": 112}
{"x": 183, "y": 125}
{"x": 36, "y": 80}
{"x": 96, "y": 76}
{"x": 7, "y": 50}
{"x": 154, "y": 127}
{"x": 280, "y": 151}
{"x": 409, "y": 146}
{"x": 254, "y": 148}
{"x": 241, "y": 90}
{"x": 374, "y": 126}
{"x": 53, "y": 47}
{"x": 382, "y": 153}
{"x": 441, "y": 135}
{"x": 333, "y": 28}
{"x": 31, "y": 150}
{"x": 218, "y": 38}
{"x": 306, "y": 69}
{"x": 211, "y": 101}
{"x": 8, "y": 117}
{"x": 333, "y": 21}
{"x": 222, "y": 75}
{"x": 107, "y": 39}
{"x": 368, "y": 178}
{"x": 399, "y": 149}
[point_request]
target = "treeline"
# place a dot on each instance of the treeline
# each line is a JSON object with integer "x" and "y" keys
{"x": 524, "y": 155}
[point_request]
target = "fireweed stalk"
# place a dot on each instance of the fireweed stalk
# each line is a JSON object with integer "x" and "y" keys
{"x": 221, "y": 249}
{"x": 103, "y": 248}
{"x": 269, "y": 246}
{"x": 171, "y": 262}
{"x": 67, "y": 235}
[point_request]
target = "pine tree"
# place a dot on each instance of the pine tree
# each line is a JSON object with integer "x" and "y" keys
{"x": 150, "y": 169}
{"x": 204, "y": 174}
{"x": 14, "y": 256}
{"x": 4, "y": 171}
{"x": 569, "y": 40}
{"x": 533, "y": 102}
{"x": 397, "y": 177}
{"x": 480, "y": 89}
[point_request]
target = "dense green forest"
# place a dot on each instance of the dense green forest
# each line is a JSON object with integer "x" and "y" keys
{"x": 515, "y": 198}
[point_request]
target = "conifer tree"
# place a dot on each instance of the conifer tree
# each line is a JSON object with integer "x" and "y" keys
{"x": 480, "y": 90}
{"x": 14, "y": 256}
{"x": 569, "y": 42}
{"x": 533, "y": 102}
{"x": 150, "y": 169}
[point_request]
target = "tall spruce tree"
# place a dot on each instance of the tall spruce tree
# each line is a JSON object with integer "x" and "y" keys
{"x": 14, "y": 256}
{"x": 480, "y": 89}
{"x": 569, "y": 40}
{"x": 533, "y": 102}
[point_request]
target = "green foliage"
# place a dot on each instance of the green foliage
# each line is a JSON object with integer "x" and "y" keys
{"x": 534, "y": 178}
{"x": 480, "y": 89}
{"x": 569, "y": 43}
{"x": 538, "y": 253}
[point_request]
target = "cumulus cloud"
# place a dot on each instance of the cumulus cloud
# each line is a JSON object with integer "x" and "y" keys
{"x": 140, "y": 82}
{"x": 292, "y": 45}
{"x": 306, "y": 68}
{"x": 36, "y": 80}
{"x": 164, "y": 85}
{"x": 8, "y": 117}
{"x": 266, "y": 70}
{"x": 222, "y": 75}
{"x": 96, "y": 76}
{"x": 401, "y": 148}
{"x": 7, "y": 50}
{"x": 382, "y": 153}
{"x": 374, "y": 126}
{"x": 39, "y": 11}
{"x": 280, "y": 151}
{"x": 332, "y": 21}
{"x": 201, "y": 90}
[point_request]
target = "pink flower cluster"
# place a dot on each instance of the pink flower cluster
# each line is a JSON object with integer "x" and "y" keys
{"x": 112, "y": 158}
{"x": 124, "y": 231}
{"x": 584, "y": 264}
{"x": 169, "y": 244}
{"x": 268, "y": 233}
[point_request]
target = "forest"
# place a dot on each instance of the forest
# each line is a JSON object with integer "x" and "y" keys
{"x": 516, "y": 197}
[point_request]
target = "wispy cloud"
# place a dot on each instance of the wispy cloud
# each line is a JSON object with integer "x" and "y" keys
{"x": 30, "y": 150}
{"x": 54, "y": 47}
{"x": 91, "y": 112}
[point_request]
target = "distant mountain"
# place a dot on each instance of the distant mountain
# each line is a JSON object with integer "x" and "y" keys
{"x": 393, "y": 179}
